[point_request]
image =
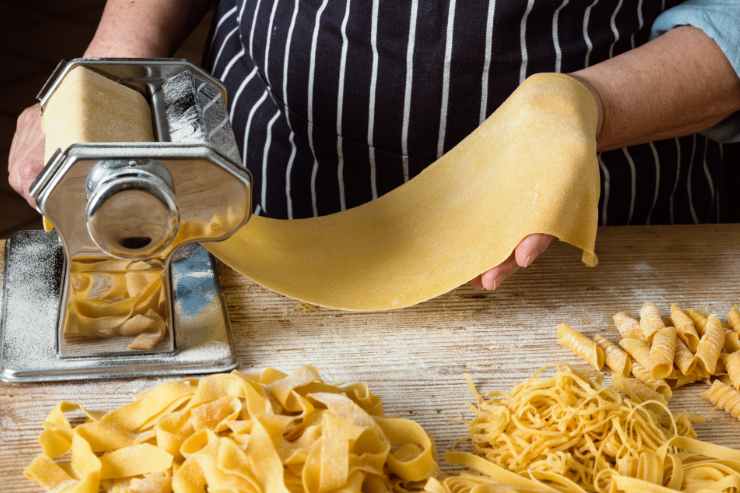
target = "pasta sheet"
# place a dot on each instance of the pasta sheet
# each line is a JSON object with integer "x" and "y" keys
{"x": 529, "y": 168}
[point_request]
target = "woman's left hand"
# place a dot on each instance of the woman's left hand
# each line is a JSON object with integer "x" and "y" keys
{"x": 524, "y": 255}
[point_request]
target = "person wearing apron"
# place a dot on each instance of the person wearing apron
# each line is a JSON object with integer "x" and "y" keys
{"x": 336, "y": 102}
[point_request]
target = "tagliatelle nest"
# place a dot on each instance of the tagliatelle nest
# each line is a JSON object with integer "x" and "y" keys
{"x": 568, "y": 433}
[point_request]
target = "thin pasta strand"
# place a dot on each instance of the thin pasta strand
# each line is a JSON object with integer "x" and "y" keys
{"x": 606, "y": 442}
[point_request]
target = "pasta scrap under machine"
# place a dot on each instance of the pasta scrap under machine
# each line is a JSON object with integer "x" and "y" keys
{"x": 124, "y": 257}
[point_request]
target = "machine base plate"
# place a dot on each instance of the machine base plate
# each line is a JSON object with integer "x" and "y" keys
{"x": 34, "y": 266}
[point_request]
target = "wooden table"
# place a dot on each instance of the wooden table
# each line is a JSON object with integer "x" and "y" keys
{"x": 415, "y": 358}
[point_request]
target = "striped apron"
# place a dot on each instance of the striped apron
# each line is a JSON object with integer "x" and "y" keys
{"x": 335, "y": 103}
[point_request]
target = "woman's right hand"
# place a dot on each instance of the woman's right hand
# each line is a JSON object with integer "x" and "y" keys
{"x": 26, "y": 159}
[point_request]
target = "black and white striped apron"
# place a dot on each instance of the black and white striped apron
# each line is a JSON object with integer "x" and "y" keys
{"x": 336, "y": 102}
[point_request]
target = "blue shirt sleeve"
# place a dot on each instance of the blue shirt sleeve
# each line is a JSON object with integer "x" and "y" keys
{"x": 720, "y": 20}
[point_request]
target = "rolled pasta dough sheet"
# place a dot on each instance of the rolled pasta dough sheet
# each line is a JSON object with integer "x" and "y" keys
{"x": 529, "y": 168}
{"x": 89, "y": 107}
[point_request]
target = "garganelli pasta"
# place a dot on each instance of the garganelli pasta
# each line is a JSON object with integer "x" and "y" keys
{"x": 650, "y": 320}
{"x": 643, "y": 374}
{"x": 638, "y": 349}
{"x": 701, "y": 347}
{"x": 699, "y": 318}
{"x": 662, "y": 352}
{"x": 615, "y": 358}
{"x": 732, "y": 365}
{"x": 237, "y": 433}
{"x": 724, "y": 397}
{"x": 684, "y": 359}
{"x": 582, "y": 346}
{"x": 627, "y": 326}
{"x": 685, "y": 327}
{"x": 711, "y": 345}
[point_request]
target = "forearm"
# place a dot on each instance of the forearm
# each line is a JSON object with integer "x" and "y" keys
{"x": 676, "y": 84}
{"x": 145, "y": 28}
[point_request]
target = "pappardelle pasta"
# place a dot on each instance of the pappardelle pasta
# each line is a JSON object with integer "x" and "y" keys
{"x": 237, "y": 432}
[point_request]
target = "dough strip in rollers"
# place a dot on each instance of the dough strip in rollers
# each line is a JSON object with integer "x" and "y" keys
{"x": 462, "y": 215}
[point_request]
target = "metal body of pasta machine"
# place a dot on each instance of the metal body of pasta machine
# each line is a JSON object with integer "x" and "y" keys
{"x": 138, "y": 206}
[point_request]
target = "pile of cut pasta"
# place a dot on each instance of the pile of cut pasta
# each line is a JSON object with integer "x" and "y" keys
{"x": 568, "y": 433}
{"x": 655, "y": 355}
{"x": 110, "y": 298}
{"x": 236, "y": 433}
{"x": 271, "y": 432}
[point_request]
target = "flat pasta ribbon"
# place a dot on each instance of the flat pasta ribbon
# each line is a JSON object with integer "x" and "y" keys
{"x": 262, "y": 432}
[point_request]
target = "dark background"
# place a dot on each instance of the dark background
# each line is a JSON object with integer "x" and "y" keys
{"x": 35, "y": 36}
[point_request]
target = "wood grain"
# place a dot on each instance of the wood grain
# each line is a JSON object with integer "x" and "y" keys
{"x": 415, "y": 358}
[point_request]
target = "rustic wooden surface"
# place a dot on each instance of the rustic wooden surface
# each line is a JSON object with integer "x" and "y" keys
{"x": 415, "y": 358}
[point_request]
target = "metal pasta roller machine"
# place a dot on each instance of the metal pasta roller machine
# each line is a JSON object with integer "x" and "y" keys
{"x": 121, "y": 286}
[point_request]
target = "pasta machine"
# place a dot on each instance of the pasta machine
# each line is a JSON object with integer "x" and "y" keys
{"x": 124, "y": 256}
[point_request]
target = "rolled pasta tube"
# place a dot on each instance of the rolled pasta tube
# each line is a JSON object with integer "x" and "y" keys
{"x": 699, "y": 318}
{"x": 733, "y": 318}
{"x": 685, "y": 327}
{"x": 581, "y": 346}
{"x": 638, "y": 349}
{"x": 662, "y": 352}
{"x": 615, "y": 358}
{"x": 732, "y": 365}
{"x": 732, "y": 341}
{"x": 710, "y": 345}
{"x": 684, "y": 359}
{"x": 650, "y": 320}
{"x": 724, "y": 397}
{"x": 627, "y": 326}
{"x": 643, "y": 374}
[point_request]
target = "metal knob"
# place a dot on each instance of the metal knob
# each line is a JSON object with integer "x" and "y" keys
{"x": 131, "y": 209}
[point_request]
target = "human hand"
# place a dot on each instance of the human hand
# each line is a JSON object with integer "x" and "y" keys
{"x": 26, "y": 158}
{"x": 524, "y": 255}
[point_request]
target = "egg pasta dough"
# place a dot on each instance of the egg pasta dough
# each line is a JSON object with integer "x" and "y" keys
{"x": 239, "y": 432}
